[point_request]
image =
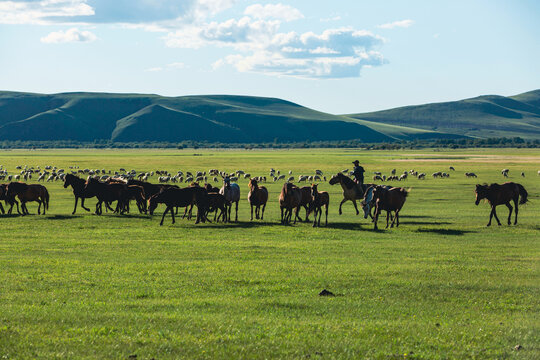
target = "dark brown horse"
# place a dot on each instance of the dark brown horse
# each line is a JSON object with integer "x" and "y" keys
{"x": 136, "y": 192}
{"x": 351, "y": 190}
{"x": 27, "y": 193}
{"x": 319, "y": 199}
{"x": 501, "y": 195}
{"x": 10, "y": 200}
{"x": 289, "y": 199}
{"x": 107, "y": 193}
{"x": 77, "y": 184}
{"x": 305, "y": 202}
{"x": 216, "y": 202}
{"x": 389, "y": 200}
{"x": 257, "y": 197}
{"x": 173, "y": 197}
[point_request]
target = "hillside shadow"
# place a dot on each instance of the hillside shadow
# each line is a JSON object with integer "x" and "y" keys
{"x": 453, "y": 232}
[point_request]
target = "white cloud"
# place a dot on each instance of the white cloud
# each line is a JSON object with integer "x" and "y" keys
{"x": 40, "y": 12}
{"x": 171, "y": 66}
{"x": 71, "y": 35}
{"x": 274, "y": 11}
{"x": 401, "y": 24}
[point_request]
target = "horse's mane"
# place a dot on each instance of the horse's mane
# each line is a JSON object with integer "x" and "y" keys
{"x": 349, "y": 183}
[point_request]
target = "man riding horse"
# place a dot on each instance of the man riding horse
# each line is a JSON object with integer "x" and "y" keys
{"x": 358, "y": 173}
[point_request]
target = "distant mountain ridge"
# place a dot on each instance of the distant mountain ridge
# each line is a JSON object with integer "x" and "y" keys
{"x": 247, "y": 119}
{"x": 482, "y": 116}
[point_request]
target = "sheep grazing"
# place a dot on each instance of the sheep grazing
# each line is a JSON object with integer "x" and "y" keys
{"x": 422, "y": 176}
{"x": 505, "y": 172}
{"x": 522, "y": 174}
{"x": 452, "y": 168}
{"x": 470, "y": 174}
{"x": 377, "y": 177}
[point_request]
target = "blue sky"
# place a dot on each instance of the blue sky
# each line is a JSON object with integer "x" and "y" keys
{"x": 336, "y": 56}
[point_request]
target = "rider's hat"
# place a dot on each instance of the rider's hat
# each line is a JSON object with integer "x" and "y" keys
{"x": 356, "y": 162}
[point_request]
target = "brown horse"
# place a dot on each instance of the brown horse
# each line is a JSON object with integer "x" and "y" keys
{"x": 77, "y": 184}
{"x": 174, "y": 197}
{"x": 305, "y": 202}
{"x": 319, "y": 199}
{"x": 389, "y": 200}
{"x": 289, "y": 199}
{"x": 501, "y": 194}
{"x": 10, "y": 200}
{"x": 107, "y": 193}
{"x": 351, "y": 190}
{"x": 257, "y": 197}
{"x": 27, "y": 193}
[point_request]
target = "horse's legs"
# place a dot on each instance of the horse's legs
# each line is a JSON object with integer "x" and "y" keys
{"x": 75, "y": 208}
{"x": 281, "y": 207}
{"x": 509, "y": 212}
{"x": 396, "y": 219}
{"x": 493, "y": 213}
{"x": 262, "y": 213}
{"x": 2, "y": 209}
{"x": 315, "y": 217}
{"x": 252, "y": 212}
{"x": 387, "y": 218}
{"x": 376, "y": 218}
{"x": 163, "y": 217}
{"x": 326, "y": 221}
{"x": 516, "y": 206}
{"x": 341, "y": 203}
{"x": 308, "y": 211}
{"x": 172, "y": 215}
{"x": 236, "y": 212}
{"x": 82, "y": 205}
{"x": 355, "y": 207}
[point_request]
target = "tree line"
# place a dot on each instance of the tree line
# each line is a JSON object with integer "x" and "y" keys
{"x": 514, "y": 142}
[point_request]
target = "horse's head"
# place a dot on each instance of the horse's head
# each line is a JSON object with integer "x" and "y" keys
{"x": 314, "y": 191}
{"x": 14, "y": 188}
{"x": 335, "y": 179}
{"x": 288, "y": 187}
{"x": 227, "y": 181}
{"x": 481, "y": 192}
{"x": 152, "y": 204}
{"x": 67, "y": 180}
{"x": 252, "y": 183}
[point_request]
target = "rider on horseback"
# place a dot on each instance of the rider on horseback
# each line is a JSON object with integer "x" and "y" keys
{"x": 358, "y": 172}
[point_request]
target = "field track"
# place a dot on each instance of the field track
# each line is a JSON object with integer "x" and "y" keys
{"x": 441, "y": 286}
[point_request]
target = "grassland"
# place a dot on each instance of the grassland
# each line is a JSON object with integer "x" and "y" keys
{"x": 441, "y": 286}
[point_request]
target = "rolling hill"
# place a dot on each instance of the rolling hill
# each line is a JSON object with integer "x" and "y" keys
{"x": 247, "y": 119}
{"x": 483, "y": 116}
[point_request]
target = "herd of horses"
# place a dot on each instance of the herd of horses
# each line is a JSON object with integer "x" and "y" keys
{"x": 220, "y": 201}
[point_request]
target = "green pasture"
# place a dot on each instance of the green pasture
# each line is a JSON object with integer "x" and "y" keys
{"x": 441, "y": 286}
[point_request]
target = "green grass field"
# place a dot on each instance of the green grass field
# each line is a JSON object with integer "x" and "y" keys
{"x": 441, "y": 286}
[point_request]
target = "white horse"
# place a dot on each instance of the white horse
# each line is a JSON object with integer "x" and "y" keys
{"x": 231, "y": 192}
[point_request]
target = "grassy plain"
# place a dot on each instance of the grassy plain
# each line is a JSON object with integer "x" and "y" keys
{"x": 441, "y": 286}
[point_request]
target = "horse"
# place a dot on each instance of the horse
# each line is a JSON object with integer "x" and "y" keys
{"x": 27, "y": 193}
{"x": 319, "y": 199}
{"x": 289, "y": 199}
{"x": 501, "y": 194}
{"x": 351, "y": 190}
{"x": 368, "y": 203}
{"x": 257, "y": 197}
{"x": 389, "y": 200}
{"x": 232, "y": 195}
{"x": 77, "y": 184}
{"x": 305, "y": 202}
{"x": 216, "y": 202}
{"x": 107, "y": 193}
{"x": 136, "y": 192}
{"x": 10, "y": 200}
{"x": 175, "y": 197}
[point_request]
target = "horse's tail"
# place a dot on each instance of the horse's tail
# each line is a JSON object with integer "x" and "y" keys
{"x": 45, "y": 198}
{"x": 523, "y": 193}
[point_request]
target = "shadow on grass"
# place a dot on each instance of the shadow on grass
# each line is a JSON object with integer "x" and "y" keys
{"x": 423, "y": 222}
{"x": 10, "y": 215}
{"x": 62, "y": 217}
{"x": 454, "y": 232}
{"x": 415, "y": 216}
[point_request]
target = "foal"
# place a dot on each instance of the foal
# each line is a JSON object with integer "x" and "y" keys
{"x": 27, "y": 193}
{"x": 258, "y": 196}
{"x": 319, "y": 199}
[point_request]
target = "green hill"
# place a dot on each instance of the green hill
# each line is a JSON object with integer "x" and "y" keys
{"x": 483, "y": 116}
{"x": 247, "y": 119}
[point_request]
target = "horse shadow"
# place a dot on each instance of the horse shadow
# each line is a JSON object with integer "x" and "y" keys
{"x": 426, "y": 222}
{"x": 453, "y": 232}
{"x": 62, "y": 217}
{"x": 233, "y": 225}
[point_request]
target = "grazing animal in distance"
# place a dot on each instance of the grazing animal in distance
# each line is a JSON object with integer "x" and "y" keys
{"x": 27, "y": 193}
{"x": 318, "y": 200}
{"x": 257, "y": 197}
{"x": 502, "y": 195}
{"x": 389, "y": 200}
{"x": 231, "y": 191}
{"x": 470, "y": 174}
{"x": 289, "y": 199}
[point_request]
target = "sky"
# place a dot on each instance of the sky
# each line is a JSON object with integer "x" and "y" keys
{"x": 344, "y": 56}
